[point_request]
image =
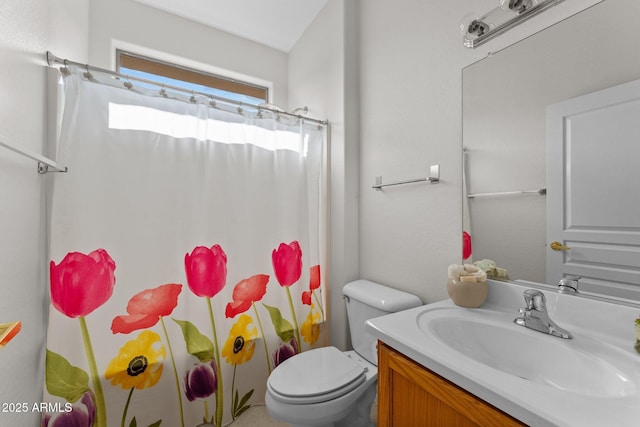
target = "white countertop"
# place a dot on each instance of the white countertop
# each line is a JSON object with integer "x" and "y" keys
{"x": 536, "y": 404}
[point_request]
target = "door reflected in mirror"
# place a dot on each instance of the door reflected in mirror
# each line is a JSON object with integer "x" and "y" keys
{"x": 505, "y": 100}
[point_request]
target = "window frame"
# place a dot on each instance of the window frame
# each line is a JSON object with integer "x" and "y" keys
{"x": 127, "y": 59}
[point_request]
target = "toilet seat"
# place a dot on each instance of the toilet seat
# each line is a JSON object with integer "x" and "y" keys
{"x": 315, "y": 376}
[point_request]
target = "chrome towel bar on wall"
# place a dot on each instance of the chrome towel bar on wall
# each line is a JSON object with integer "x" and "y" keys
{"x": 540, "y": 192}
{"x": 433, "y": 178}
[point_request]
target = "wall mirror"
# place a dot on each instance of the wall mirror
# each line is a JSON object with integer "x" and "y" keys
{"x": 505, "y": 97}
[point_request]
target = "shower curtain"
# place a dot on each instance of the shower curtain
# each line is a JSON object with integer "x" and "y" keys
{"x": 188, "y": 255}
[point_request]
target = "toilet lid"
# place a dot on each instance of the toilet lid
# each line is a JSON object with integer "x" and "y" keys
{"x": 315, "y": 374}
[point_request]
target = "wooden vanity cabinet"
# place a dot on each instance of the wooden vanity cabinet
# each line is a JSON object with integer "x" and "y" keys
{"x": 411, "y": 395}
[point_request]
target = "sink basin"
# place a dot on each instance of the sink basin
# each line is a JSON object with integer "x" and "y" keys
{"x": 592, "y": 380}
{"x": 582, "y": 365}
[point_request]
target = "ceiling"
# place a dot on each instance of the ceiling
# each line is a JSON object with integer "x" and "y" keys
{"x": 275, "y": 23}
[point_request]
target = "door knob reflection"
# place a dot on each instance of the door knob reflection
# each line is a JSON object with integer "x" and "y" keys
{"x": 557, "y": 246}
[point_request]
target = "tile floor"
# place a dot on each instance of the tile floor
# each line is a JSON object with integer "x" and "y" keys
{"x": 257, "y": 416}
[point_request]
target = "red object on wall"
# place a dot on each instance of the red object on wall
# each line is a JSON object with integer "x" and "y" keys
{"x": 467, "y": 250}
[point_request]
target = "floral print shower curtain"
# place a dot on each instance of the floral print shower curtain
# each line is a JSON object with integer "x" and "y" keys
{"x": 188, "y": 252}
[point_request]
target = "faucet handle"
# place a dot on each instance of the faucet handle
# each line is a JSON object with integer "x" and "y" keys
{"x": 535, "y": 300}
{"x": 569, "y": 285}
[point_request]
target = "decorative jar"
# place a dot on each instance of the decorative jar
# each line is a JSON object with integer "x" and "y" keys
{"x": 467, "y": 294}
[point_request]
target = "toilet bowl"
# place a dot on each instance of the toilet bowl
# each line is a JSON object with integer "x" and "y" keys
{"x": 323, "y": 387}
{"x": 331, "y": 388}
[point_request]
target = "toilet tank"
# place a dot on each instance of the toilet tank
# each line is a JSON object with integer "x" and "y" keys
{"x": 367, "y": 300}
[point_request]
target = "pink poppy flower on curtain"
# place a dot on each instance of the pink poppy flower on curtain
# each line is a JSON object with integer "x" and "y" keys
{"x": 245, "y": 293}
{"x": 314, "y": 283}
{"x": 145, "y": 308}
{"x": 206, "y": 270}
{"x": 81, "y": 283}
{"x": 287, "y": 263}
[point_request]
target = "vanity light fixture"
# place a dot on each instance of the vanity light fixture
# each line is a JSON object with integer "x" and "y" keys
{"x": 509, "y": 14}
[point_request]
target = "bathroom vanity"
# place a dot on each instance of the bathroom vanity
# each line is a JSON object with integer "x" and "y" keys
{"x": 441, "y": 364}
{"x": 412, "y": 395}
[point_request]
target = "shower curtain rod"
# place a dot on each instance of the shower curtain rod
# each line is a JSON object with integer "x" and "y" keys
{"x": 53, "y": 60}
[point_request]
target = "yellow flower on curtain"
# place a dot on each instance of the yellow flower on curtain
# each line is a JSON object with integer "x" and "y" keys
{"x": 138, "y": 363}
{"x": 310, "y": 328}
{"x": 240, "y": 345}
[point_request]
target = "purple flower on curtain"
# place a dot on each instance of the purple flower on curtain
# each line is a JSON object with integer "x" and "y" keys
{"x": 82, "y": 414}
{"x": 287, "y": 263}
{"x": 81, "y": 283}
{"x": 206, "y": 270}
{"x": 201, "y": 381}
{"x": 285, "y": 351}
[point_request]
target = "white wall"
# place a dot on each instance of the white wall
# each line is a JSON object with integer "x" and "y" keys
{"x": 29, "y": 29}
{"x": 323, "y": 75}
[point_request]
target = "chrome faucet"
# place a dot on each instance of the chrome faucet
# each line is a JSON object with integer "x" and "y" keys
{"x": 534, "y": 315}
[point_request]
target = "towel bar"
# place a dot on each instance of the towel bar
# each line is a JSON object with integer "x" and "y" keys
{"x": 541, "y": 192}
{"x": 433, "y": 178}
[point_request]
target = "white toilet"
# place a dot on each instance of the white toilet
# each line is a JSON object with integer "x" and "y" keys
{"x": 328, "y": 387}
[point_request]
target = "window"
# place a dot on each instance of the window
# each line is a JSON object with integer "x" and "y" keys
{"x": 190, "y": 79}
{"x": 149, "y": 119}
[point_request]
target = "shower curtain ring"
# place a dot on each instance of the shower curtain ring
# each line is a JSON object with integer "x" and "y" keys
{"x": 64, "y": 70}
{"x": 87, "y": 74}
{"x": 128, "y": 83}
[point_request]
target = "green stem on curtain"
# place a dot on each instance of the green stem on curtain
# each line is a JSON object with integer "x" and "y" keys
{"x": 126, "y": 407}
{"x": 101, "y": 410}
{"x": 175, "y": 370}
{"x": 219, "y": 389}
{"x": 264, "y": 338}
{"x": 295, "y": 320}
{"x": 233, "y": 394}
{"x": 319, "y": 304}
{"x": 206, "y": 410}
